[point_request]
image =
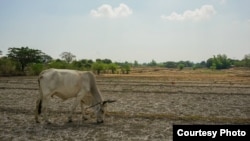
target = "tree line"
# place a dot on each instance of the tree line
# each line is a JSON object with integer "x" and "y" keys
{"x": 27, "y": 61}
{"x": 217, "y": 62}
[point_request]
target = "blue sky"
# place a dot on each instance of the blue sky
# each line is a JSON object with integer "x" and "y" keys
{"x": 128, "y": 30}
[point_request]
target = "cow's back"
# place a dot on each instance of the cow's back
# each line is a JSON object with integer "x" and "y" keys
{"x": 62, "y": 83}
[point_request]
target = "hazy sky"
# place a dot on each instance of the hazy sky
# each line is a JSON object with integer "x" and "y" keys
{"x": 128, "y": 30}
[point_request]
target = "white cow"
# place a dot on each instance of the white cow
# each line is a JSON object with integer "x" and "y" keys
{"x": 67, "y": 84}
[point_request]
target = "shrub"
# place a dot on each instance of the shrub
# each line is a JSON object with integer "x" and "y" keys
{"x": 7, "y": 67}
{"x": 35, "y": 69}
{"x": 58, "y": 64}
{"x": 180, "y": 66}
{"x": 98, "y": 67}
{"x": 219, "y": 62}
{"x": 113, "y": 67}
{"x": 125, "y": 68}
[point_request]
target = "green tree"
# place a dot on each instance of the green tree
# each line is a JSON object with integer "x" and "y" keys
{"x": 219, "y": 62}
{"x": 46, "y": 58}
{"x": 181, "y": 66}
{"x": 209, "y": 62}
{"x": 98, "y": 60}
{"x": 213, "y": 66}
{"x": 7, "y": 66}
{"x": 85, "y": 63}
{"x": 24, "y": 56}
{"x": 222, "y": 62}
{"x": 113, "y": 67}
{"x": 202, "y": 64}
{"x": 35, "y": 68}
{"x": 59, "y": 64}
{"x": 136, "y": 64}
{"x": 153, "y": 63}
{"x": 77, "y": 65}
{"x": 247, "y": 60}
{"x": 170, "y": 64}
{"x": 107, "y": 61}
{"x": 125, "y": 68}
{"x": 67, "y": 56}
{"x": 98, "y": 67}
{"x": 186, "y": 63}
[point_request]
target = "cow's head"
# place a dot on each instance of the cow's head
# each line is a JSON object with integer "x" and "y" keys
{"x": 101, "y": 109}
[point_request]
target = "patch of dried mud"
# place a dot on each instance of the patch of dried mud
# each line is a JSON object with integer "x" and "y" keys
{"x": 146, "y": 109}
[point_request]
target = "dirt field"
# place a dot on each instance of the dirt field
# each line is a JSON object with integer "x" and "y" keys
{"x": 149, "y": 103}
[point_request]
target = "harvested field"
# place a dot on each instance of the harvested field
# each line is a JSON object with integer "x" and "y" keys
{"x": 149, "y": 103}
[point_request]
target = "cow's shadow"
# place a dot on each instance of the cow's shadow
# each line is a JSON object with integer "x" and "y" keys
{"x": 76, "y": 124}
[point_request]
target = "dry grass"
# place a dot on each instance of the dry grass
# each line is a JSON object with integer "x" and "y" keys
{"x": 149, "y": 102}
{"x": 187, "y": 118}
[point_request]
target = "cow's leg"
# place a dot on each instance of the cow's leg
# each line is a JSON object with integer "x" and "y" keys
{"x": 45, "y": 102}
{"x": 38, "y": 109}
{"x": 84, "y": 116}
{"x": 78, "y": 99}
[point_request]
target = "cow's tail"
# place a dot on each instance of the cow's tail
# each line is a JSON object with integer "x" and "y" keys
{"x": 40, "y": 107}
{"x": 39, "y": 101}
